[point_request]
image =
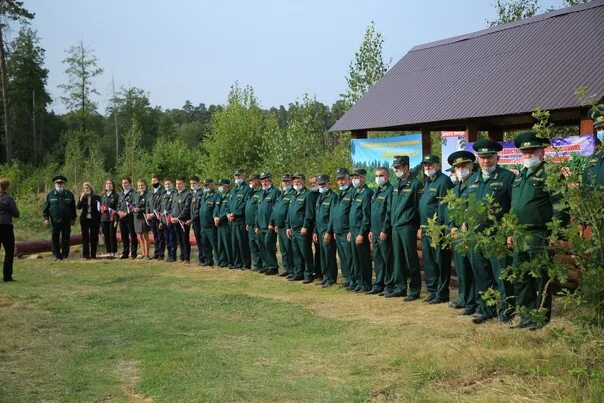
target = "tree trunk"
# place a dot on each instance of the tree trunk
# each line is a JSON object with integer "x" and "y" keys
{"x": 4, "y": 80}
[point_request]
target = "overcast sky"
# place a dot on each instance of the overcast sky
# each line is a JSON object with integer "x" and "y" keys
{"x": 180, "y": 50}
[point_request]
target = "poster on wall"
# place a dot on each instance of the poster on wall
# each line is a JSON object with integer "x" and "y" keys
{"x": 451, "y": 142}
{"x": 376, "y": 152}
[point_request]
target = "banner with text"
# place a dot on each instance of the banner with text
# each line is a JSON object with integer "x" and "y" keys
{"x": 376, "y": 152}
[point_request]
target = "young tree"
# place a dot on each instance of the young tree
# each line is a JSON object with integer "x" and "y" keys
{"x": 29, "y": 98}
{"x": 10, "y": 10}
{"x": 368, "y": 66}
{"x": 82, "y": 68}
{"x": 131, "y": 162}
{"x": 514, "y": 10}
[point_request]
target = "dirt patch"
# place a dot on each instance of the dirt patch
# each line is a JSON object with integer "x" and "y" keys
{"x": 129, "y": 373}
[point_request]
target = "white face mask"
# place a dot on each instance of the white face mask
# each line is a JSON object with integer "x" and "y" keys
{"x": 356, "y": 182}
{"x": 600, "y": 136}
{"x": 251, "y": 186}
{"x": 453, "y": 179}
{"x": 323, "y": 190}
{"x": 298, "y": 187}
{"x": 531, "y": 162}
{"x": 239, "y": 181}
{"x": 343, "y": 187}
{"x": 221, "y": 189}
{"x": 429, "y": 172}
{"x": 59, "y": 188}
{"x": 462, "y": 173}
{"x": 267, "y": 187}
{"x": 314, "y": 189}
{"x": 380, "y": 180}
{"x": 207, "y": 190}
{"x": 287, "y": 188}
{"x": 399, "y": 174}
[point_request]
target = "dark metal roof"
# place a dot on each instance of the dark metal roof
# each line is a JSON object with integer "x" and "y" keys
{"x": 505, "y": 70}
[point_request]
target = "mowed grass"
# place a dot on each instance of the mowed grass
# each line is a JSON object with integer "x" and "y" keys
{"x": 132, "y": 331}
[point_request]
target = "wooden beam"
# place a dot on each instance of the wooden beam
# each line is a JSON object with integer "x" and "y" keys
{"x": 586, "y": 126}
{"x": 472, "y": 132}
{"x": 495, "y": 134}
{"x": 426, "y": 141}
{"x": 358, "y": 134}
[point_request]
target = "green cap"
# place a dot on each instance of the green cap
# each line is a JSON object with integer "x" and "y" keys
{"x": 529, "y": 139}
{"x": 460, "y": 158}
{"x": 224, "y": 182}
{"x": 59, "y": 178}
{"x": 322, "y": 179}
{"x": 208, "y": 182}
{"x": 359, "y": 171}
{"x": 286, "y": 177}
{"x": 265, "y": 175}
{"x": 431, "y": 159}
{"x": 486, "y": 147}
{"x": 299, "y": 175}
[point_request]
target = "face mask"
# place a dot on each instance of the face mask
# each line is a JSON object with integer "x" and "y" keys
{"x": 462, "y": 173}
{"x": 169, "y": 189}
{"x": 356, "y": 183}
{"x": 298, "y": 187}
{"x": 343, "y": 187}
{"x": 489, "y": 171}
{"x": 600, "y": 136}
{"x": 206, "y": 190}
{"x": 429, "y": 172}
{"x": 195, "y": 188}
{"x": 221, "y": 189}
{"x": 239, "y": 181}
{"x": 59, "y": 188}
{"x": 531, "y": 162}
{"x": 314, "y": 189}
{"x": 155, "y": 185}
{"x": 287, "y": 188}
{"x": 323, "y": 190}
{"x": 251, "y": 186}
{"x": 453, "y": 179}
{"x": 399, "y": 174}
{"x": 267, "y": 187}
{"x": 380, "y": 180}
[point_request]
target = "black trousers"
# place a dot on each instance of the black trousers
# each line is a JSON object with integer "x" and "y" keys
{"x": 201, "y": 256}
{"x": 61, "y": 231}
{"x": 182, "y": 239}
{"x": 158, "y": 239}
{"x": 7, "y": 241}
{"x": 90, "y": 237}
{"x": 110, "y": 235}
{"x": 128, "y": 236}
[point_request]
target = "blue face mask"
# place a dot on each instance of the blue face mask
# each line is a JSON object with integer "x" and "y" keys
{"x": 600, "y": 136}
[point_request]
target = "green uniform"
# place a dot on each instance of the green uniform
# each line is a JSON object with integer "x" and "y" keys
{"x": 339, "y": 226}
{"x": 594, "y": 172}
{"x": 251, "y": 209}
{"x": 239, "y": 241}
{"x": 382, "y": 250}
{"x": 325, "y": 204}
{"x": 225, "y": 254}
{"x": 360, "y": 224}
{"x": 60, "y": 210}
{"x": 299, "y": 216}
{"x": 314, "y": 248}
{"x": 277, "y": 219}
{"x": 437, "y": 261}
{"x": 534, "y": 206}
{"x": 465, "y": 279}
{"x": 403, "y": 214}
{"x": 487, "y": 271}
{"x": 209, "y": 240}
{"x": 268, "y": 241}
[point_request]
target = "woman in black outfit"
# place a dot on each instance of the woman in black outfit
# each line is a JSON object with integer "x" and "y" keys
{"x": 8, "y": 210}
{"x": 109, "y": 217}
{"x": 90, "y": 220}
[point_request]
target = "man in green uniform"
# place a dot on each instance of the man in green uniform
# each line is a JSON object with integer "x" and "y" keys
{"x": 495, "y": 181}
{"x": 236, "y": 217}
{"x": 358, "y": 236}
{"x": 193, "y": 222}
{"x": 437, "y": 261}
{"x": 324, "y": 206}
{"x": 299, "y": 229}
{"x": 60, "y": 213}
{"x": 208, "y": 235}
{"x": 381, "y": 235}
{"x": 264, "y": 227}
{"x": 403, "y": 214}
{"x": 339, "y": 225}
{"x": 313, "y": 186}
{"x": 463, "y": 166}
{"x": 167, "y": 202}
{"x": 181, "y": 213}
{"x": 277, "y": 224}
{"x": 594, "y": 172}
{"x": 533, "y": 204}
{"x": 251, "y": 209}
{"x": 223, "y": 233}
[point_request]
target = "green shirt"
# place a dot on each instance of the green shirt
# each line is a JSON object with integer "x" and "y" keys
{"x": 594, "y": 172}
{"x": 360, "y": 211}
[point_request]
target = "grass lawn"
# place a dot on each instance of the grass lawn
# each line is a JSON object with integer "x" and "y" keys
{"x": 168, "y": 332}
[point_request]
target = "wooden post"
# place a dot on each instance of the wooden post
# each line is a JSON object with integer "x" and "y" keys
{"x": 426, "y": 141}
{"x": 495, "y": 134}
{"x": 586, "y": 126}
{"x": 358, "y": 134}
{"x": 471, "y": 132}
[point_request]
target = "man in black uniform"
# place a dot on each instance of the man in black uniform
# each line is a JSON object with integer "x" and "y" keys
{"x": 125, "y": 210}
{"x": 60, "y": 212}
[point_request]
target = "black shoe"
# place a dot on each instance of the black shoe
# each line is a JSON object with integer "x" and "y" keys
{"x": 170, "y": 260}
{"x": 270, "y": 272}
{"x": 429, "y": 298}
{"x": 393, "y": 294}
{"x": 410, "y": 298}
{"x": 327, "y": 285}
{"x": 261, "y": 271}
{"x": 160, "y": 258}
{"x": 438, "y": 301}
{"x": 455, "y": 305}
{"x": 8, "y": 280}
{"x": 124, "y": 257}
{"x": 308, "y": 280}
{"x": 374, "y": 291}
{"x": 296, "y": 278}
{"x": 283, "y": 274}
{"x": 478, "y": 320}
{"x": 468, "y": 311}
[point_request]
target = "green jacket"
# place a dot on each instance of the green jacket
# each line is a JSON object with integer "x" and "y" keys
{"x": 532, "y": 203}
{"x": 60, "y": 207}
{"x": 207, "y": 203}
{"x": 380, "y": 202}
{"x": 594, "y": 172}
{"x": 360, "y": 212}
{"x": 460, "y": 189}
{"x": 236, "y": 202}
{"x": 266, "y": 204}
{"x": 195, "y": 203}
{"x": 251, "y": 207}
{"x": 339, "y": 222}
{"x": 280, "y": 208}
{"x": 324, "y": 206}
{"x": 298, "y": 212}
{"x": 435, "y": 188}
{"x": 404, "y": 204}
{"x": 498, "y": 184}
{"x": 221, "y": 208}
